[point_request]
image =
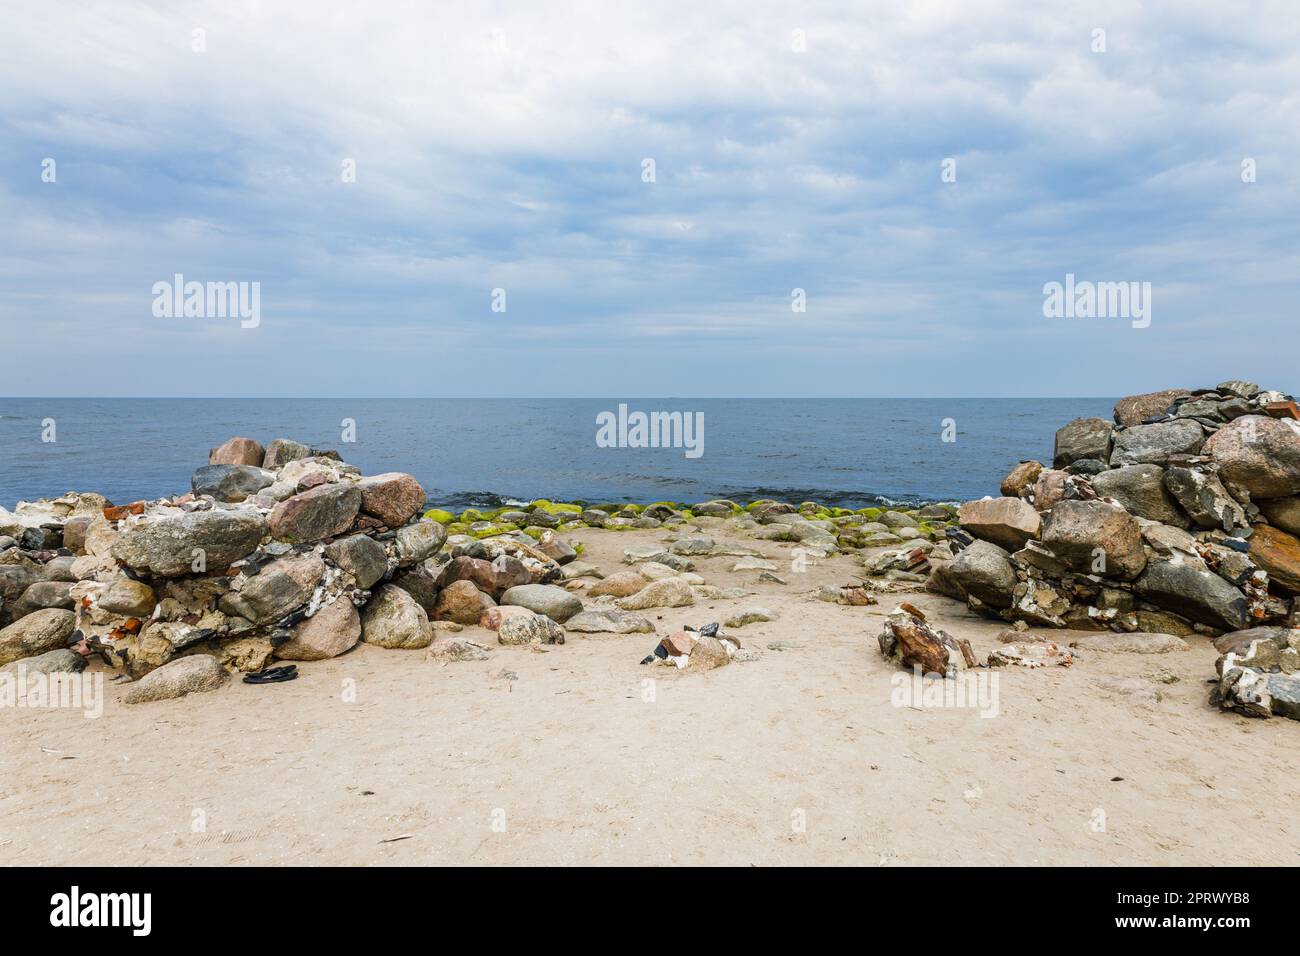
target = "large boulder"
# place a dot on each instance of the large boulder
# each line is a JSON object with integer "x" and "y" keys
{"x": 59, "y": 661}
{"x": 461, "y": 602}
{"x": 1095, "y": 537}
{"x": 333, "y": 629}
{"x": 196, "y": 673}
{"x": 530, "y": 629}
{"x": 316, "y": 514}
{"x": 281, "y": 587}
{"x": 554, "y": 602}
{"x": 1081, "y": 439}
{"x": 127, "y": 596}
{"x": 361, "y": 556}
{"x": 1007, "y": 522}
{"x": 171, "y": 547}
{"x": 1278, "y": 553}
{"x": 230, "y": 482}
{"x": 1141, "y": 490}
{"x": 1258, "y": 454}
{"x": 984, "y": 571}
{"x": 1192, "y": 590}
{"x": 619, "y": 584}
{"x": 1202, "y": 495}
{"x": 1155, "y": 444}
{"x": 393, "y": 498}
{"x": 1135, "y": 409}
{"x": 393, "y": 619}
{"x": 669, "y": 592}
{"x": 418, "y": 541}
{"x": 37, "y": 633}
{"x": 1020, "y": 479}
{"x": 281, "y": 451}
{"x": 237, "y": 451}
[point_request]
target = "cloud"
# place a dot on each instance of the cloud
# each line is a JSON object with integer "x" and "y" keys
{"x": 502, "y": 145}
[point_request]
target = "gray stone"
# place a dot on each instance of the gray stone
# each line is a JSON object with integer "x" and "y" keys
{"x": 361, "y": 556}
{"x": 169, "y": 547}
{"x": 281, "y": 451}
{"x": 60, "y": 661}
{"x": 1082, "y": 438}
{"x": 1283, "y": 513}
{"x": 332, "y": 630}
{"x": 281, "y": 587}
{"x": 393, "y": 619}
{"x": 127, "y": 596}
{"x": 418, "y": 541}
{"x": 530, "y": 629}
{"x": 1204, "y": 498}
{"x": 1007, "y": 522}
{"x": 1258, "y": 454}
{"x": 751, "y": 615}
{"x": 37, "y": 633}
{"x": 1154, "y": 444}
{"x": 316, "y": 514}
{"x": 669, "y": 592}
{"x": 230, "y": 482}
{"x": 1141, "y": 490}
{"x": 984, "y": 571}
{"x": 609, "y": 620}
{"x": 554, "y": 602}
{"x": 196, "y": 673}
{"x": 1095, "y": 537}
{"x": 1195, "y": 592}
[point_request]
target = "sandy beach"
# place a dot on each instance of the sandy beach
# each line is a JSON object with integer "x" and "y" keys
{"x": 566, "y": 755}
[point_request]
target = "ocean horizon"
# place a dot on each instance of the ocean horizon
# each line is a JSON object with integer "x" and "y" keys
{"x": 477, "y": 452}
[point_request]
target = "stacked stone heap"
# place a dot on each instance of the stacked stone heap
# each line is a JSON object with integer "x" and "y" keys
{"x": 1179, "y": 517}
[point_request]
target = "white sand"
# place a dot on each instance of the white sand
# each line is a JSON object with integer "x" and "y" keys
{"x": 572, "y": 765}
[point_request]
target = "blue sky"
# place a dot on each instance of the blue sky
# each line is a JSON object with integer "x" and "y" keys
{"x": 502, "y": 147}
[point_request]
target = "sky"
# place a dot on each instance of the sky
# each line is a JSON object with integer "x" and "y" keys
{"x": 504, "y": 146}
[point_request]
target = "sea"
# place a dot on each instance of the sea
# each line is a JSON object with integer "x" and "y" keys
{"x": 473, "y": 452}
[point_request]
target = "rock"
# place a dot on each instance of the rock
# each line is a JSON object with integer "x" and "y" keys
{"x": 421, "y": 583}
{"x": 1155, "y": 444}
{"x": 598, "y": 620}
{"x": 462, "y": 602}
{"x": 1278, "y": 553}
{"x": 533, "y": 629}
{"x": 1135, "y": 409}
{"x": 246, "y": 654}
{"x": 393, "y": 619}
{"x": 281, "y": 451}
{"x": 1263, "y": 680}
{"x": 1006, "y": 522}
{"x": 555, "y": 548}
{"x": 1163, "y": 622}
{"x": 237, "y": 451}
{"x": 1238, "y": 642}
{"x": 316, "y": 514}
{"x": 1204, "y": 498}
{"x": 1095, "y": 537}
{"x": 1082, "y": 438}
{"x": 60, "y": 661}
{"x": 127, "y": 596}
{"x": 230, "y": 482}
{"x": 621, "y": 583}
{"x": 555, "y": 603}
{"x": 1258, "y": 454}
{"x": 1141, "y": 490}
{"x": 720, "y": 508}
{"x": 1132, "y": 643}
{"x": 984, "y": 571}
{"x": 418, "y": 541}
{"x": 751, "y": 615}
{"x": 74, "y": 533}
{"x": 669, "y": 592}
{"x": 333, "y": 629}
{"x": 457, "y": 649}
{"x": 708, "y": 653}
{"x": 197, "y": 673}
{"x": 393, "y": 497}
{"x": 45, "y": 594}
{"x": 1021, "y": 479}
{"x": 1193, "y": 591}
{"x": 678, "y": 643}
{"x": 169, "y": 547}
{"x": 361, "y": 556}
{"x": 37, "y": 633}
{"x": 578, "y": 569}
{"x": 1282, "y": 513}
{"x": 693, "y": 547}
{"x": 494, "y": 617}
{"x": 1238, "y": 387}
{"x": 281, "y": 587}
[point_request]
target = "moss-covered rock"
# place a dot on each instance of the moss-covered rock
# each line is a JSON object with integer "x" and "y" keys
{"x": 440, "y": 516}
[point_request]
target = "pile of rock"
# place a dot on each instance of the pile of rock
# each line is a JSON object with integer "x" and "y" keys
{"x": 1178, "y": 517}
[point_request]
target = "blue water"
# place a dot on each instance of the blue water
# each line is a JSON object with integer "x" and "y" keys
{"x": 849, "y": 452}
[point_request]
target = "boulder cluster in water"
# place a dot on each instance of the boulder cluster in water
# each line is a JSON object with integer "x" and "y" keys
{"x": 1177, "y": 518}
